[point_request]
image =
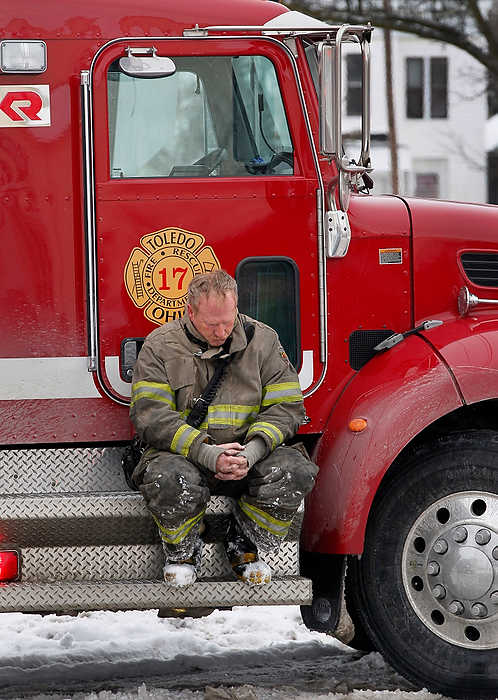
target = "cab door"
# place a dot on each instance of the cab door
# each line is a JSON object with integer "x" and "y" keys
{"x": 208, "y": 167}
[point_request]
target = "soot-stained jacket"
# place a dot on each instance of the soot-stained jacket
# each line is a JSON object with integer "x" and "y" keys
{"x": 259, "y": 394}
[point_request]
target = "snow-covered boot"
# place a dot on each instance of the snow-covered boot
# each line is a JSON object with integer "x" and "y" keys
{"x": 179, "y": 573}
{"x": 243, "y": 557}
{"x": 182, "y": 561}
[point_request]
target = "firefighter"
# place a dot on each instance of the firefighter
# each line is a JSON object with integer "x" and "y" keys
{"x": 214, "y": 397}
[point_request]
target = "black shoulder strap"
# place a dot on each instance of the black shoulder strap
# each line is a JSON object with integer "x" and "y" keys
{"x": 201, "y": 405}
{"x": 197, "y": 341}
{"x": 249, "y": 329}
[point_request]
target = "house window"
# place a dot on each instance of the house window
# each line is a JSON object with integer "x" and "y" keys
{"x": 414, "y": 88}
{"x": 354, "y": 73}
{"x": 427, "y": 185}
{"x": 431, "y": 102}
{"x": 439, "y": 88}
{"x": 429, "y": 178}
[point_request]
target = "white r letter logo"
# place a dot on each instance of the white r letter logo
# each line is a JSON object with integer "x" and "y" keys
{"x": 24, "y": 105}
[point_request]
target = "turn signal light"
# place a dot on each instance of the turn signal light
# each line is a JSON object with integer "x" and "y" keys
{"x": 357, "y": 425}
{"x": 9, "y": 565}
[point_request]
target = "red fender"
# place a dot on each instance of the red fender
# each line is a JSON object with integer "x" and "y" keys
{"x": 470, "y": 347}
{"x": 398, "y": 393}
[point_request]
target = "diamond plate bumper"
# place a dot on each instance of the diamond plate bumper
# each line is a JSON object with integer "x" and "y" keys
{"x": 144, "y": 595}
{"x": 87, "y": 542}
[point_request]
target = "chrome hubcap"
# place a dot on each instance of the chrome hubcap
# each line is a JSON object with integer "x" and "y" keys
{"x": 450, "y": 569}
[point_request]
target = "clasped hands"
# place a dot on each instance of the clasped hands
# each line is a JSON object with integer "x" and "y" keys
{"x": 229, "y": 465}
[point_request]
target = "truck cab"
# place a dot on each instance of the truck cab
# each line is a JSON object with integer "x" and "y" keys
{"x": 142, "y": 148}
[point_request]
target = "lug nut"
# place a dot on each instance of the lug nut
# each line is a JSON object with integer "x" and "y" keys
{"x": 483, "y": 536}
{"x": 494, "y": 597}
{"x": 479, "y": 610}
{"x": 439, "y": 592}
{"x": 460, "y": 534}
{"x": 495, "y": 553}
{"x": 440, "y": 547}
{"x": 433, "y": 568}
{"x": 456, "y": 608}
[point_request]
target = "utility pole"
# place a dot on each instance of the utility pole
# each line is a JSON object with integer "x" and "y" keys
{"x": 391, "y": 116}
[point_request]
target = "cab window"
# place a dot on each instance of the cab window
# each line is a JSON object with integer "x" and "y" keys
{"x": 269, "y": 291}
{"x": 216, "y": 116}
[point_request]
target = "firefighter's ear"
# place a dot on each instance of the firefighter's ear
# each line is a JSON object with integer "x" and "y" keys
{"x": 190, "y": 312}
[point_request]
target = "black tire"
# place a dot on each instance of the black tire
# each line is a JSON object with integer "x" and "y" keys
{"x": 361, "y": 640}
{"x": 450, "y": 483}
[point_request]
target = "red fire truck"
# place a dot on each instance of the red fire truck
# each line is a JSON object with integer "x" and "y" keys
{"x": 146, "y": 142}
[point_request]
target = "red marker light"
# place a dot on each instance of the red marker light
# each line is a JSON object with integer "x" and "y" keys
{"x": 9, "y": 565}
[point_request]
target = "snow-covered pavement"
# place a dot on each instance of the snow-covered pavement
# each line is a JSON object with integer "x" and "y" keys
{"x": 252, "y": 653}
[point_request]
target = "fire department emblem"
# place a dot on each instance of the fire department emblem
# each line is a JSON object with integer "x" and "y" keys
{"x": 157, "y": 275}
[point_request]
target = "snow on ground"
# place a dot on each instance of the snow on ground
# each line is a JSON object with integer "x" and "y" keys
{"x": 252, "y": 653}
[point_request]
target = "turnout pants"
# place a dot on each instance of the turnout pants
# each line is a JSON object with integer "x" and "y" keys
{"x": 265, "y": 501}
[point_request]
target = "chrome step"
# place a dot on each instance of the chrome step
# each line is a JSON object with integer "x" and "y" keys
{"x": 144, "y": 595}
{"x": 96, "y": 519}
{"x": 134, "y": 562}
{"x": 61, "y": 470}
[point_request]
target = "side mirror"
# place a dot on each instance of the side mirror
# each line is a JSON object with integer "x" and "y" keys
{"x": 328, "y": 113}
{"x": 149, "y": 66}
{"x": 331, "y": 98}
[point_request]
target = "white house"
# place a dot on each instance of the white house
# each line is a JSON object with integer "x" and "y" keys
{"x": 440, "y": 112}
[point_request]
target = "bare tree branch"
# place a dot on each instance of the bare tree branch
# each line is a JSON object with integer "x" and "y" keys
{"x": 484, "y": 25}
{"x": 461, "y": 23}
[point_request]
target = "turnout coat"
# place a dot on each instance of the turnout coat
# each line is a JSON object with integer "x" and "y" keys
{"x": 259, "y": 394}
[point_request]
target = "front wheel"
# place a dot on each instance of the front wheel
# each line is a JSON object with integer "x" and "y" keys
{"x": 426, "y": 587}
